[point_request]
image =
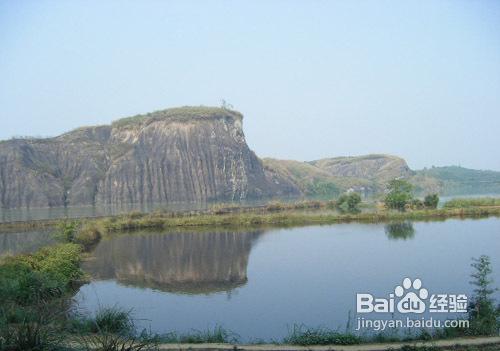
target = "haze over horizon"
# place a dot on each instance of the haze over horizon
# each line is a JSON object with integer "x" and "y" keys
{"x": 420, "y": 80}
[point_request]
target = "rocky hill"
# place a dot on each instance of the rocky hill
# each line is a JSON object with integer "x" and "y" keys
{"x": 370, "y": 174}
{"x": 193, "y": 154}
{"x": 456, "y": 180}
{"x": 174, "y": 155}
{"x": 331, "y": 176}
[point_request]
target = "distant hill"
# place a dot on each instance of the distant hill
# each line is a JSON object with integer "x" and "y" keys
{"x": 455, "y": 180}
{"x": 369, "y": 174}
{"x": 366, "y": 174}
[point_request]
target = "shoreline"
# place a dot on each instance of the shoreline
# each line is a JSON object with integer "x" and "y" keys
{"x": 313, "y": 213}
{"x": 443, "y": 344}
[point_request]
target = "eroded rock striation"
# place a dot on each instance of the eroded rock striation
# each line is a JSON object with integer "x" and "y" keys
{"x": 175, "y": 155}
{"x": 375, "y": 166}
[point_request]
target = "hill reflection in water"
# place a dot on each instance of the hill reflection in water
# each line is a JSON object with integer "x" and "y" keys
{"x": 180, "y": 262}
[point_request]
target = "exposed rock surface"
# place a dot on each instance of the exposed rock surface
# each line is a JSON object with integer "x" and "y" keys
{"x": 378, "y": 167}
{"x": 175, "y": 155}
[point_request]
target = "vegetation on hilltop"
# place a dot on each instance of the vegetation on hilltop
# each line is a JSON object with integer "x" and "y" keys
{"x": 177, "y": 113}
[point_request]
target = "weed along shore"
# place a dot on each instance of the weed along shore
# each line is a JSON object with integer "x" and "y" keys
{"x": 272, "y": 214}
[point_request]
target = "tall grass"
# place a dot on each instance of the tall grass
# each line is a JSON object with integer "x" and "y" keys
{"x": 216, "y": 335}
{"x": 300, "y": 335}
{"x": 111, "y": 329}
{"x": 472, "y": 202}
{"x": 106, "y": 320}
{"x": 34, "y": 294}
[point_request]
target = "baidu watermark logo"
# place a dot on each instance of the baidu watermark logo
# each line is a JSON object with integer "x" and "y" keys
{"x": 410, "y": 297}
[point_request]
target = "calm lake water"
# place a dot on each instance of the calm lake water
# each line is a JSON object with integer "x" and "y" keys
{"x": 29, "y": 214}
{"x": 24, "y": 242}
{"x": 259, "y": 283}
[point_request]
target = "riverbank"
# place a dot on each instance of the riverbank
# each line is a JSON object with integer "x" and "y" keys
{"x": 308, "y": 213}
{"x": 458, "y": 344}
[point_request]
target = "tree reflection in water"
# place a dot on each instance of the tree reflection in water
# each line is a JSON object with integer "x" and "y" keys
{"x": 400, "y": 230}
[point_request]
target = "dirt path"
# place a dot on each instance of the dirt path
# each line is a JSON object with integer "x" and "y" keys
{"x": 442, "y": 344}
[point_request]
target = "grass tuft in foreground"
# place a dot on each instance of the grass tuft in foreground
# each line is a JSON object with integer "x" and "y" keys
{"x": 217, "y": 335}
{"x": 300, "y": 335}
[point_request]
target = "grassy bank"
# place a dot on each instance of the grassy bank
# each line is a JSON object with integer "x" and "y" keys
{"x": 35, "y": 292}
{"x": 472, "y": 202}
{"x": 258, "y": 217}
{"x": 272, "y": 214}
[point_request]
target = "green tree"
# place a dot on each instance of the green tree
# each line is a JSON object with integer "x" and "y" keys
{"x": 431, "y": 200}
{"x": 483, "y": 313}
{"x": 353, "y": 200}
{"x": 400, "y": 193}
{"x": 349, "y": 202}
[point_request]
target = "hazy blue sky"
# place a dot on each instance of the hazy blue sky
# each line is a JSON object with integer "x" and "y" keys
{"x": 419, "y": 79}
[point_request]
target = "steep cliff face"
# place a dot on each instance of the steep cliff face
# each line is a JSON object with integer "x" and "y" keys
{"x": 182, "y": 154}
{"x": 53, "y": 172}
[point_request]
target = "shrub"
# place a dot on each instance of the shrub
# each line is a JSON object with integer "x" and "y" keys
{"x": 275, "y": 206}
{"x": 431, "y": 200}
{"x": 135, "y": 215}
{"x": 22, "y": 286}
{"x": 400, "y": 193}
{"x": 51, "y": 267}
{"x": 88, "y": 235}
{"x": 66, "y": 230}
{"x": 59, "y": 261}
{"x": 33, "y": 291}
{"x": 483, "y": 313}
{"x": 349, "y": 202}
{"x": 300, "y": 335}
{"x": 314, "y": 204}
{"x": 417, "y": 204}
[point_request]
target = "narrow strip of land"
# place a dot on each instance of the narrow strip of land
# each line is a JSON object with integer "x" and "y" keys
{"x": 257, "y": 216}
{"x": 440, "y": 344}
